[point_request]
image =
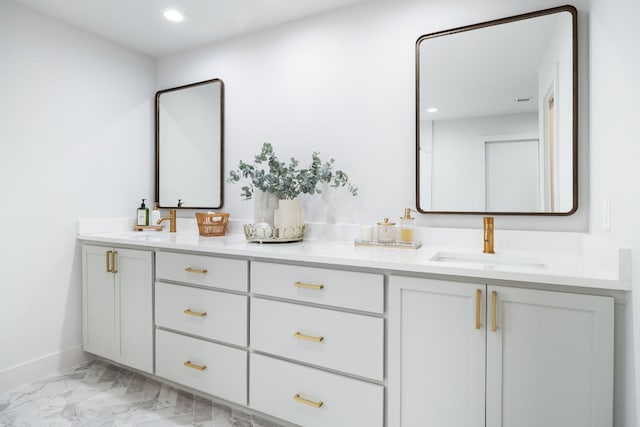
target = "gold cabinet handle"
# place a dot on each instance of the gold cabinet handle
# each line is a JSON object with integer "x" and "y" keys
{"x": 114, "y": 268}
{"x": 297, "y": 398}
{"x": 308, "y": 286}
{"x": 108, "y": 257}
{"x": 195, "y": 270}
{"x": 478, "y": 309}
{"x": 188, "y": 364}
{"x": 308, "y": 337}
{"x": 494, "y": 296}
{"x": 195, "y": 313}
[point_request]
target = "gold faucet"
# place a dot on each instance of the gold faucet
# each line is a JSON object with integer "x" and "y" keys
{"x": 172, "y": 220}
{"x": 488, "y": 235}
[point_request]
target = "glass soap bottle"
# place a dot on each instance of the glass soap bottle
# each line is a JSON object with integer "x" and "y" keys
{"x": 142, "y": 214}
{"x": 407, "y": 227}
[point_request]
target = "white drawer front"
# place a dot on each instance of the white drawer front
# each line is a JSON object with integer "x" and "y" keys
{"x": 210, "y": 314}
{"x": 348, "y": 289}
{"x": 203, "y": 270}
{"x": 345, "y": 342}
{"x": 345, "y": 401}
{"x": 225, "y": 374}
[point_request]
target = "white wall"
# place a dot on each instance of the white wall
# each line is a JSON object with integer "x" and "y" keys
{"x": 76, "y": 138}
{"x": 614, "y": 62}
{"x": 342, "y": 84}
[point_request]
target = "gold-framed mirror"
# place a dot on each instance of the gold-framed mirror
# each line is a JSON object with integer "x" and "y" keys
{"x": 496, "y": 116}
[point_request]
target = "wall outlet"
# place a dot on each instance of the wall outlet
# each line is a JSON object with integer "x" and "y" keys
{"x": 606, "y": 215}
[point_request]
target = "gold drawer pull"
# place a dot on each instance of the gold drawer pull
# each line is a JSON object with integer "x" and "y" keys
{"x": 109, "y": 261}
{"x": 114, "y": 268}
{"x": 494, "y": 296}
{"x": 195, "y": 270}
{"x": 308, "y": 337}
{"x": 188, "y": 364}
{"x": 478, "y": 307}
{"x": 308, "y": 286}
{"x": 195, "y": 313}
{"x": 297, "y": 398}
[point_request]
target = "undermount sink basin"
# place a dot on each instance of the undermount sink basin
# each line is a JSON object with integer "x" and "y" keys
{"x": 488, "y": 260}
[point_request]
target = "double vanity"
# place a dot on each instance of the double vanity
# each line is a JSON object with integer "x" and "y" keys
{"x": 325, "y": 333}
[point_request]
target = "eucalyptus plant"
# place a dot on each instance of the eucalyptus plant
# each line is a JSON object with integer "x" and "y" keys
{"x": 287, "y": 181}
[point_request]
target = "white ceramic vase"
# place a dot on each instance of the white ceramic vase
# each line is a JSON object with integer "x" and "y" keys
{"x": 288, "y": 218}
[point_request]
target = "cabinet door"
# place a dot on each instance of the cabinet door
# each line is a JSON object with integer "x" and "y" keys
{"x": 436, "y": 353}
{"x": 134, "y": 322}
{"x": 98, "y": 303}
{"x": 550, "y": 359}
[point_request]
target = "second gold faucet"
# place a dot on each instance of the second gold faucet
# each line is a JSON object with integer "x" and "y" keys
{"x": 488, "y": 235}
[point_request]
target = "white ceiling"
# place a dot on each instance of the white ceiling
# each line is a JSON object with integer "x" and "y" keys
{"x": 481, "y": 72}
{"x": 139, "y": 24}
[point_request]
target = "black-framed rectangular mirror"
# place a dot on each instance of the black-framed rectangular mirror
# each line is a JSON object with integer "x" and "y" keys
{"x": 496, "y": 116}
{"x": 190, "y": 146}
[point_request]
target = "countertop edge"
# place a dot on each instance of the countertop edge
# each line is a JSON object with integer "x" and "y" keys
{"x": 399, "y": 260}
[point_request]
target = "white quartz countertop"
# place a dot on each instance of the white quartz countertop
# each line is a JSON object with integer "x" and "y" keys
{"x": 588, "y": 264}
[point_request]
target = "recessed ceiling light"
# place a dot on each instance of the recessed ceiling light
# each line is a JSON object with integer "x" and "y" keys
{"x": 432, "y": 110}
{"x": 174, "y": 15}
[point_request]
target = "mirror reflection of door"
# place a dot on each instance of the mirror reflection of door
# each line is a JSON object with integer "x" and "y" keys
{"x": 512, "y": 175}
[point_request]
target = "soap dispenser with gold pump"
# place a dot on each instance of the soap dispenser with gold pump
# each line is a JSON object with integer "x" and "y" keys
{"x": 407, "y": 227}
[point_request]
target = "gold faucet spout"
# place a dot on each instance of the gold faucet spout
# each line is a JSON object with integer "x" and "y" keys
{"x": 488, "y": 235}
{"x": 172, "y": 220}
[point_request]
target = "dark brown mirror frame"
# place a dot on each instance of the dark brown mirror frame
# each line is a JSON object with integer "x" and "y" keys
{"x": 572, "y": 10}
{"x": 157, "y": 136}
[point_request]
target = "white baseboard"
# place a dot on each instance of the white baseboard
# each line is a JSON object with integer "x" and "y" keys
{"x": 18, "y": 375}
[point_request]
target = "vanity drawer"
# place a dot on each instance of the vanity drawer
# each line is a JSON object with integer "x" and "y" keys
{"x": 203, "y": 270}
{"x": 348, "y": 289}
{"x": 225, "y": 368}
{"x": 203, "y": 312}
{"x": 345, "y": 342}
{"x": 345, "y": 401}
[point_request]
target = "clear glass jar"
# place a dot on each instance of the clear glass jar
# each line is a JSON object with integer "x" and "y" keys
{"x": 386, "y": 231}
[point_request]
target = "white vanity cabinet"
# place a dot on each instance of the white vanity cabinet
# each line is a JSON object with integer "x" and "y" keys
{"x": 201, "y": 327}
{"x": 117, "y": 320}
{"x": 323, "y": 334}
{"x": 523, "y": 357}
{"x": 341, "y": 330}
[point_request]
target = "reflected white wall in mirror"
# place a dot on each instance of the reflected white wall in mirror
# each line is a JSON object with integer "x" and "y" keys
{"x": 503, "y": 137}
{"x": 189, "y": 138}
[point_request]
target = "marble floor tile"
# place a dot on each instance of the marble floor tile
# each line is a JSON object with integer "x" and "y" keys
{"x": 99, "y": 394}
